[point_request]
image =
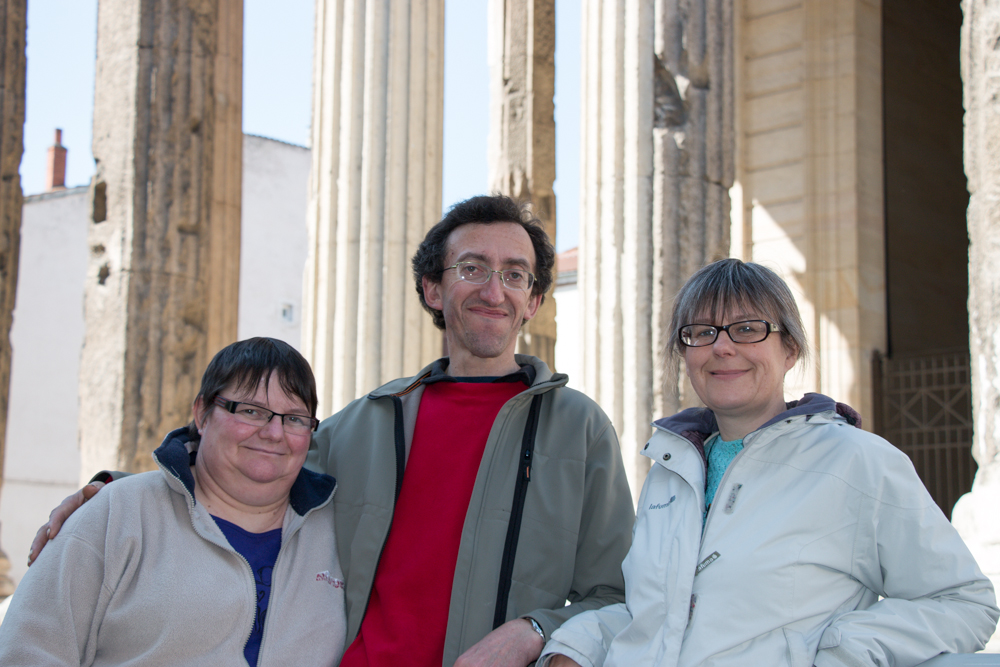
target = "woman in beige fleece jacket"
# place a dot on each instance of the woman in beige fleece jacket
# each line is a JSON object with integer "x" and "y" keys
{"x": 225, "y": 556}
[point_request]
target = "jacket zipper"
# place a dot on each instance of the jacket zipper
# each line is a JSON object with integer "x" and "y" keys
{"x": 711, "y": 511}
{"x": 246, "y": 640}
{"x": 722, "y": 484}
{"x": 284, "y": 540}
{"x": 400, "y": 446}
{"x": 704, "y": 528}
{"x": 229, "y": 548}
{"x": 725, "y": 476}
{"x": 516, "y": 511}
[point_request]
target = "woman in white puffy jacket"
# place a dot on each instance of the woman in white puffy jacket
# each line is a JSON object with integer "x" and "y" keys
{"x": 774, "y": 533}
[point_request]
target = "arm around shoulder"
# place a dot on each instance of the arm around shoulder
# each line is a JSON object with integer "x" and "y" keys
{"x": 58, "y": 516}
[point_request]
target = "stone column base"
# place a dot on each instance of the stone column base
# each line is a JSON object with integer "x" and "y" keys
{"x": 974, "y": 517}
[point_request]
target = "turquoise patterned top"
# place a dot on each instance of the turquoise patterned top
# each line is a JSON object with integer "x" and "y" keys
{"x": 720, "y": 454}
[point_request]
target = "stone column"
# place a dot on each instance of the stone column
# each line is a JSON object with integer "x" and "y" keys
{"x": 12, "y": 70}
{"x": 975, "y": 513}
{"x": 163, "y": 282}
{"x": 657, "y": 167}
{"x": 374, "y": 191}
{"x": 522, "y": 144}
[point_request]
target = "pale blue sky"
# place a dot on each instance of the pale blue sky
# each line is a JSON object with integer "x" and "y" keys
{"x": 277, "y": 90}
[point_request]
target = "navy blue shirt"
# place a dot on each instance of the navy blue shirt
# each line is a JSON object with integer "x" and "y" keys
{"x": 260, "y": 550}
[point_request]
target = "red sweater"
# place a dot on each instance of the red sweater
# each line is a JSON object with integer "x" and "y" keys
{"x": 407, "y": 613}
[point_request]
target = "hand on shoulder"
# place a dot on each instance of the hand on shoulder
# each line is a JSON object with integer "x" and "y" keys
{"x": 58, "y": 516}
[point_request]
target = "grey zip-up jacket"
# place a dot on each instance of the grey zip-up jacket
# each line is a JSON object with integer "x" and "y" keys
{"x": 142, "y": 575}
{"x": 577, "y": 517}
{"x": 813, "y": 522}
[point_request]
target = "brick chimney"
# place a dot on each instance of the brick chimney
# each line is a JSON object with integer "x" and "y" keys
{"x": 55, "y": 175}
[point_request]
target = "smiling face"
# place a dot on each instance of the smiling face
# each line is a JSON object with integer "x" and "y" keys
{"x": 251, "y": 465}
{"x": 482, "y": 321}
{"x": 743, "y": 384}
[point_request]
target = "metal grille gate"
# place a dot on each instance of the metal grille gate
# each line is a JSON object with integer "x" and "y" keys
{"x": 923, "y": 405}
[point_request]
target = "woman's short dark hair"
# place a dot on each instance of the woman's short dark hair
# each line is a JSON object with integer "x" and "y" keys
{"x": 484, "y": 209}
{"x": 245, "y": 364}
{"x": 731, "y": 285}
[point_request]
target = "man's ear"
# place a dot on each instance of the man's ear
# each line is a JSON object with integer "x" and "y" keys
{"x": 432, "y": 293}
{"x": 534, "y": 303}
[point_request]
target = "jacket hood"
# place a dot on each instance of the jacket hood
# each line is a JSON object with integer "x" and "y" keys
{"x": 177, "y": 453}
{"x": 542, "y": 376}
{"x": 702, "y": 421}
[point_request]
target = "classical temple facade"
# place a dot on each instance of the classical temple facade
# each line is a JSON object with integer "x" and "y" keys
{"x": 848, "y": 144}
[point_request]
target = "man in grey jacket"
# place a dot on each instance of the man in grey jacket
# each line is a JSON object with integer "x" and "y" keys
{"x": 514, "y": 498}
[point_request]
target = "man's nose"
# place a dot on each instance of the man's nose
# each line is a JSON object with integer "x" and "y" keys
{"x": 492, "y": 290}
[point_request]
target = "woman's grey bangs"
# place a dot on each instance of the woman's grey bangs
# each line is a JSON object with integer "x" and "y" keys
{"x": 730, "y": 285}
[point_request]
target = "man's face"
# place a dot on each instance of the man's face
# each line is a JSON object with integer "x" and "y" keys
{"x": 483, "y": 320}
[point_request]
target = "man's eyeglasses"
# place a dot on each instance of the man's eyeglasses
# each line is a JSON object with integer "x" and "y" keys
{"x": 747, "y": 331}
{"x": 254, "y": 415}
{"x": 480, "y": 274}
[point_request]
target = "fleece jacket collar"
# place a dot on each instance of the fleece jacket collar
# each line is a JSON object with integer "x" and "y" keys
{"x": 178, "y": 452}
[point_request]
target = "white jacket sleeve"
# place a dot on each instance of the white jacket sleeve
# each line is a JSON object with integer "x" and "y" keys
{"x": 586, "y": 637}
{"x": 936, "y": 599}
{"x": 54, "y": 614}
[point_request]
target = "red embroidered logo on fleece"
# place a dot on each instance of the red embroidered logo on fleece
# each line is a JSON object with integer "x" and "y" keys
{"x": 325, "y": 576}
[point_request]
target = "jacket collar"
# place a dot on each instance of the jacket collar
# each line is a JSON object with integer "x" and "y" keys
{"x": 542, "y": 376}
{"x": 696, "y": 424}
{"x": 178, "y": 452}
{"x": 525, "y": 374}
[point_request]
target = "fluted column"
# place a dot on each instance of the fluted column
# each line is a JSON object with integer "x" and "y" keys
{"x": 374, "y": 191}
{"x": 975, "y": 513}
{"x": 522, "y": 144}
{"x": 12, "y": 70}
{"x": 657, "y": 167}
{"x": 163, "y": 281}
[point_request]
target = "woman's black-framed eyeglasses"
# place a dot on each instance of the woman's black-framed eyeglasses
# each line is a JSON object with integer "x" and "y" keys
{"x": 743, "y": 332}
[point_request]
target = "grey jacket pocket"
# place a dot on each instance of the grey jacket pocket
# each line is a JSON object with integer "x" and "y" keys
{"x": 798, "y": 652}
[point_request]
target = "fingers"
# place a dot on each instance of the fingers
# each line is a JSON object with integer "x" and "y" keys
{"x": 58, "y": 516}
{"x": 41, "y": 537}
{"x": 91, "y": 490}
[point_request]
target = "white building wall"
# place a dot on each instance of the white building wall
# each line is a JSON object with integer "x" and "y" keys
{"x": 42, "y": 461}
{"x": 274, "y": 242}
{"x": 569, "y": 341}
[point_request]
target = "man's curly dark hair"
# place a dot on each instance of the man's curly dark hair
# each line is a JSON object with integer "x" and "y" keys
{"x": 484, "y": 209}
